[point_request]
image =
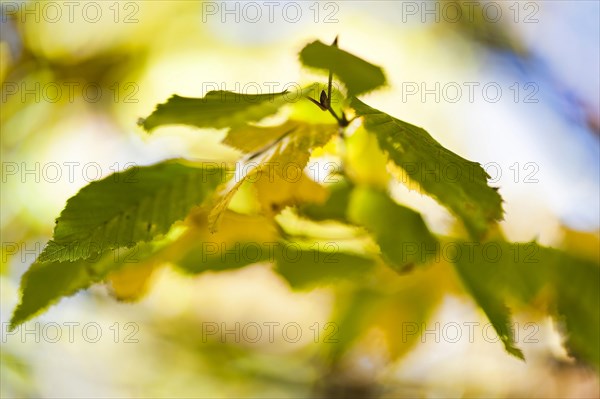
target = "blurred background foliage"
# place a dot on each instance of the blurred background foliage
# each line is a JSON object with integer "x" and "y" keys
{"x": 140, "y": 53}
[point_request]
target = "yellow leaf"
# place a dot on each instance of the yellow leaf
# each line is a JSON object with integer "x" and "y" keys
{"x": 582, "y": 243}
{"x": 240, "y": 241}
{"x": 405, "y": 314}
{"x": 251, "y": 138}
{"x": 131, "y": 282}
{"x": 277, "y": 193}
{"x": 285, "y": 157}
{"x": 366, "y": 163}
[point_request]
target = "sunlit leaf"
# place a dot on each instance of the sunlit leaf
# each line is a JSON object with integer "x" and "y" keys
{"x": 478, "y": 277}
{"x": 400, "y": 232}
{"x": 583, "y": 243}
{"x": 403, "y": 238}
{"x": 241, "y": 240}
{"x": 217, "y": 109}
{"x": 131, "y": 282}
{"x": 353, "y": 311}
{"x": 497, "y": 272}
{"x": 457, "y": 183}
{"x": 335, "y": 206}
{"x": 128, "y": 207}
{"x": 577, "y": 285}
{"x": 399, "y": 306}
{"x": 286, "y": 157}
{"x": 366, "y": 163}
{"x": 275, "y": 193}
{"x": 249, "y": 138}
{"x": 318, "y": 263}
{"x": 358, "y": 75}
{"x": 404, "y": 325}
{"x": 45, "y": 283}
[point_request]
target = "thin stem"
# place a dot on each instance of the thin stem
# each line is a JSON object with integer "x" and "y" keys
{"x": 335, "y": 43}
{"x": 270, "y": 145}
{"x": 343, "y": 121}
{"x": 329, "y": 87}
{"x": 332, "y": 112}
{"x": 325, "y": 103}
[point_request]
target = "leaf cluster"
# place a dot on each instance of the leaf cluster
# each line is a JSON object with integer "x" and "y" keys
{"x": 185, "y": 213}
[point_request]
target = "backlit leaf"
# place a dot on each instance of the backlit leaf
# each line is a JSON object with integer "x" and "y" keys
{"x": 128, "y": 207}
{"x": 129, "y": 283}
{"x": 287, "y": 157}
{"x": 478, "y": 277}
{"x": 248, "y": 138}
{"x": 497, "y": 272}
{"x": 335, "y": 206}
{"x": 217, "y": 109}
{"x": 358, "y": 75}
{"x": 456, "y": 183}
{"x": 275, "y": 193}
{"x": 241, "y": 240}
{"x": 400, "y": 232}
{"x": 366, "y": 163}
{"x": 318, "y": 263}
{"x": 45, "y": 283}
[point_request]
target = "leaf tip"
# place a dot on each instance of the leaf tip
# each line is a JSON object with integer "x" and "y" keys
{"x": 13, "y": 324}
{"x": 18, "y": 317}
{"x": 516, "y": 352}
{"x": 141, "y": 122}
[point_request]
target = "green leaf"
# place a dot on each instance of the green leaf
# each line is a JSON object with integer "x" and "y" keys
{"x": 403, "y": 238}
{"x": 242, "y": 240}
{"x": 352, "y": 312}
{"x": 128, "y": 207}
{"x": 572, "y": 285}
{"x": 286, "y": 157}
{"x": 248, "y": 138}
{"x": 132, "y": 281}
{"x": 498, "y": 272}
{"x": 398, "y": 307}
{"x": 303, "y": 266}
{"x": 217, "y": 109}
{"x": 365, "y": 163}
{"x": 336, "y": 205}
{"x": 455, "y": 182}
{"x": 478, "y": 276}
{"x": 209, "y": 255}
{"x": 400, "y": 232}
{"x": 577, "y": 302}
{"x": 274, "y": 193}
{"x": 358, "y": 75}
{"x": 45, "y": 283}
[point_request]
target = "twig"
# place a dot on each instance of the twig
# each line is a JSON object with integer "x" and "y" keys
{"x": 324, "y": 102}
